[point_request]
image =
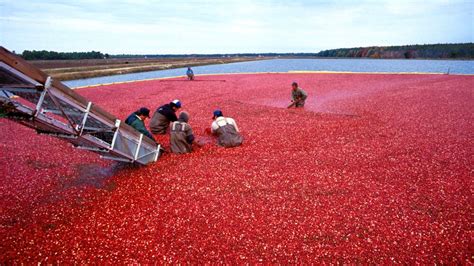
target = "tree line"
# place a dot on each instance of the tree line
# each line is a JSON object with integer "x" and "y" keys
{"x": 458, "y": 50}
{"x": 52, "y": 55}
{"x": 214, "y": 55}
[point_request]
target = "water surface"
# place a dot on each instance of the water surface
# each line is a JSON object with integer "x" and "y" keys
{"x": 285, "y": 65}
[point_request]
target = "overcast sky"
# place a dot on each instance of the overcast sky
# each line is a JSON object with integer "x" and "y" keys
{"x": 228, "y": 26}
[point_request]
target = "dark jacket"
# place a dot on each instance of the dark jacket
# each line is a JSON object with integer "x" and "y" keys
{"x": 168, "y": 112}
{"x": 161, "y": 119}
{"x": 134, "y": 121}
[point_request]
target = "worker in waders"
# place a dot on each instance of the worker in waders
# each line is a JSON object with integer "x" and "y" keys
{"x": 181, "y": 135}
{"x": 137, "y": 121}
{"x": 163, "y": 116}
{"x": 190, "y": 74}
{"x": 226, "y": 130}
{"x": 298, "y": 96}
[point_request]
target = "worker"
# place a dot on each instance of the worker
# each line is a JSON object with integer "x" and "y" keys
{"x": 298, "y": 96}
{"x": 137, "y": 121}
{"x": 163, "y": 116}
{"x": 190, "y": 74}
{"x": 226, "y": 130}
{"x": 181, "y": 134}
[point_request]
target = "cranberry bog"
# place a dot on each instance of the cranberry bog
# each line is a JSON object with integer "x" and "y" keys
{"x": 376, "y": 169}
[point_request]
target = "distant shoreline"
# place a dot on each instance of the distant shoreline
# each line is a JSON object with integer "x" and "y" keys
{"x": 368, "y": 58}
{"x": 66, "y": 70}
{"x": 90, "y": 68}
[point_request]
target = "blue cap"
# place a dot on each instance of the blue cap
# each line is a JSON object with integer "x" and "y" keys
{"x": 217, "y": 113}
{"x": 176, "y": 103}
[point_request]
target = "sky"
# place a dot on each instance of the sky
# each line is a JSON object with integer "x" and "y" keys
{"x": 228, "y": 26}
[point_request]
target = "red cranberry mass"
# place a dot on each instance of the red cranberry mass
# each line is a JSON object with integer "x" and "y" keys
{"x": 375, "y": 169}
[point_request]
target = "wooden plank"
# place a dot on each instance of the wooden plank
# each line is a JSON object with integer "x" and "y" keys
{"x": 21, "y": 65}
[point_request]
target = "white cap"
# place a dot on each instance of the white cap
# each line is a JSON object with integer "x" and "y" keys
{"x": 177, "y": 103}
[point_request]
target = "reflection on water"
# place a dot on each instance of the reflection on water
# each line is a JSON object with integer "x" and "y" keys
{"x": 285, "y": 65}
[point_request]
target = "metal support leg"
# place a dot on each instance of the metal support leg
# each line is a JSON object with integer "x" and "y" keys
{"x": 138, "y": 147}
{"x": 48, "y": 83}
{"x": 84, "y": 120}
{"x": 158, "y": 149}
{"x": 58, "y": 105}
{"x": 40, "y": 102}
{"x": 117, "y": 126}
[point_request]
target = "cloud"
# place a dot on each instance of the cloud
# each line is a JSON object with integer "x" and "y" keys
{"x": 200, "y": 26}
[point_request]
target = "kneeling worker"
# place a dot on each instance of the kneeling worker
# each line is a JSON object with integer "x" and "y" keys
{"x": 181, "y": 135}
{"x": 226, "y": 130}
{"x": 163, "y": 116}
{"x": 190, "y": 74}
{"x": 137, "y": 121}
{"x": 298, "y": 96}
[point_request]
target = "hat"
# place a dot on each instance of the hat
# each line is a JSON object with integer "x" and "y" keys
{"x": 144, "y": 111}
{"x": 176, "y": 103}
{"x": 217, "y": 113}
{"x": 183, "y": 116}
{"x": 294, "y": 83}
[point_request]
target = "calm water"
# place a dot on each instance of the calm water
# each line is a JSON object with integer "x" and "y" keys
{"x": 284, "y": 65}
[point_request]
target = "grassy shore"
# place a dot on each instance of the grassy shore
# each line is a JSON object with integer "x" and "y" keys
{"x": 80, "y": 69}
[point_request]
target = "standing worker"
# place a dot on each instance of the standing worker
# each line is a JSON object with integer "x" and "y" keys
{"x": 163, "y": 116}
{"x": 298, "y": 96}
{"x": 190, "y": 74}
{"x": 181, "y": 135}
{"x": 137, "y": 121}
{"x": 226, "y": 130}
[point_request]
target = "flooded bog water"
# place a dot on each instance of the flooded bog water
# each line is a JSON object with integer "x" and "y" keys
{"x": 285, "y": 65}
